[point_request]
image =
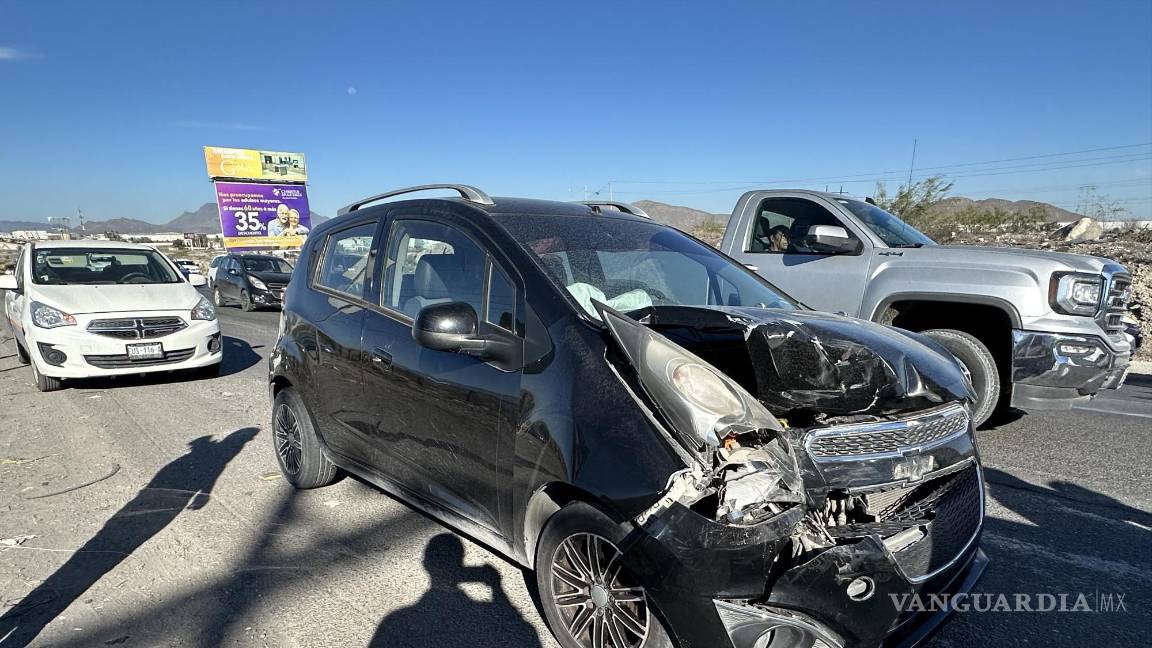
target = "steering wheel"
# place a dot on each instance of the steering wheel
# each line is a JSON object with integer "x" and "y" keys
{"x": 132, "y": 275}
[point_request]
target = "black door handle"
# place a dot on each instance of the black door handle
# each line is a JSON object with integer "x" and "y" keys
{"x": 382, "y": 359}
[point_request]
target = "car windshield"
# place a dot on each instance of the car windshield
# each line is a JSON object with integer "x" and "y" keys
{"x": 893, "y": 231}
{"x": 629, "y": 265}
{"x": 266, "y": 264}
{"x": 94, "y": 266}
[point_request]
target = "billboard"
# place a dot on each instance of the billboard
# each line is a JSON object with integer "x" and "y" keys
{"x": 250, "y": 164}
{"x": 263, "y": 216}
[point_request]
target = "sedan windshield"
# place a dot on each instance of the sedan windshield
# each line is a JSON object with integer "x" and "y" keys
{"x": 266, "y": 264}
{"x": 92, "y": 266}
{"x": 893, "y": 231}
{"x": 630, "y": 265}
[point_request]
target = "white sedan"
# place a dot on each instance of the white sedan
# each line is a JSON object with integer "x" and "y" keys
{"x": 81, "y": 309}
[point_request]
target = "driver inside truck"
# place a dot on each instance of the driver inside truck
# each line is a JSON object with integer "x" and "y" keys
{"x": 778, "y": 239}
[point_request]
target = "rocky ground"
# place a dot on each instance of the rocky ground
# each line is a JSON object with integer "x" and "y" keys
{"x": 1131, "y": 248}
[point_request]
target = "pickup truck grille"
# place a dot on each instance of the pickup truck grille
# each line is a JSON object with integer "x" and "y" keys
{"x": 137, "y": 328}
{"x": 1117, "y": 293}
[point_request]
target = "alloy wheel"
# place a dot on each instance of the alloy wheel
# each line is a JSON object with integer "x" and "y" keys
{"x": 600, "y": 606}
{"x": 287, "y": 431}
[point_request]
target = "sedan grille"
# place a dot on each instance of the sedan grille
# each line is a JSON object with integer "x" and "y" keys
{"x": 890, "y": 437}
{"x": 123, "y": 361}
{"x": 140, "y": 328}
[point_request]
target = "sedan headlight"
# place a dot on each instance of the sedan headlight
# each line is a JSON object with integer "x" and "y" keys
{"x": 257, "y": 284}
{"x": 48, "y": 317}
{"x": 204, "y": 310}
{"x": 1073, "y": 293}
{"x": 698, "y": 400}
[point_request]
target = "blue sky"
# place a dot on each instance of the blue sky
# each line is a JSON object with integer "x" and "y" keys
{"x": 106, "y": 106}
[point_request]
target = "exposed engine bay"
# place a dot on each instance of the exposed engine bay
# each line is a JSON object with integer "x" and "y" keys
{"x": 821, "y": 416}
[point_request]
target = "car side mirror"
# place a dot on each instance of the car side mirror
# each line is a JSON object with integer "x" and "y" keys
{"x": 451, "y": 326}
{"x": 8, "y": 282}
{"x": 831, "y": 239}
{"x": 197, "y": 280}
{"x": 233, "y": 271}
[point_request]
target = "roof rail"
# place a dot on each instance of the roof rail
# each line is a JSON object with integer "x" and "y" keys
{"x": 618, "y": 206}
{"x": 467, "y": 192}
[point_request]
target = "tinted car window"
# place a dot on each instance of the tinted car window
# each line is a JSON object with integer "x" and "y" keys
{"x": 502, "y": 301}
{"x": 431, "y": 263}
{"x": 344, "y": 265}
{"x": 266, "y": 264}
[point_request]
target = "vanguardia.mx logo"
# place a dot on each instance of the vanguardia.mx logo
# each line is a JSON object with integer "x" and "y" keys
{"x": 1099, "y": 602}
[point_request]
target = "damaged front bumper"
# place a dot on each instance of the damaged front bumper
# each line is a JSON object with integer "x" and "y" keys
{"x": 826, "y": 578}
{"x": 1056, "y": 371}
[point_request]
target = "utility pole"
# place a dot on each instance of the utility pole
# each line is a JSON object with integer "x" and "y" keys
{"x": 609, "y": 191}
{"x": 80, "y": 215}
{"x": 913, "y": 165}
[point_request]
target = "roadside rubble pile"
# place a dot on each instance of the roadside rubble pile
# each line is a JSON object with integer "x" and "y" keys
{"x": 1130, "y": 247}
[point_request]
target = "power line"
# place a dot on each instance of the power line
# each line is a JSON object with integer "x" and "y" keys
{"x": 874, "y": 174}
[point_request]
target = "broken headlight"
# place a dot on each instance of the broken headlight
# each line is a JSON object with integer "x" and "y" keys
{"x": 697, "y": 399}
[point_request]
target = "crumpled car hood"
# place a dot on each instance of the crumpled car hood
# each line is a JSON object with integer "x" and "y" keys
{"x": 827, "y": 364}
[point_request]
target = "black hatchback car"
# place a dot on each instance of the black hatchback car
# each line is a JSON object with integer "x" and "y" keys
{"x": 684, "y": 455}
{"x": 251, "y": 280}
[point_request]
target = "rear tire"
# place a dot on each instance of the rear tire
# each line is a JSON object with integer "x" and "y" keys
{"x": 298, "y": 451}
{"x": 22, "y": 354}
{"x": 608, "y": 600}
{"x": 45, "y": 383}
{"x": 981, "y": 366}
{"x": 246, "y": 302}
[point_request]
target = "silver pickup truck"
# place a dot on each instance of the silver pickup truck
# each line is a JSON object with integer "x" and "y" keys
{"x": 1034, "y": 329}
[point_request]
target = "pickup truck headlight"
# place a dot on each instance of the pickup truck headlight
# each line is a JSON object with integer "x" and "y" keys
{"x": 48, "y": 317}
{"x": 204, "y": 310}
{"x": 257, "y": 284}
{"x": 1074, "y": 293}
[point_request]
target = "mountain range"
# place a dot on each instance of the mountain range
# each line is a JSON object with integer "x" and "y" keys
{"x": 205, "y": 220}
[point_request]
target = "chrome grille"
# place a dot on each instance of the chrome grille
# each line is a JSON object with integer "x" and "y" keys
{"x": 137, "y": 328}
{"x": 1118, "y": 292}
{"x": 888, "y": 437}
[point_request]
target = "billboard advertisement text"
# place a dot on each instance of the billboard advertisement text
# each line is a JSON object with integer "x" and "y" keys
{"x": 269, "y": 216}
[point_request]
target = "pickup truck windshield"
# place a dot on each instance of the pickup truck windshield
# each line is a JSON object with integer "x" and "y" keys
{"x": 893, "y": 231}
{"x": 631, "y": 265}
{"x": 92, "y": 266}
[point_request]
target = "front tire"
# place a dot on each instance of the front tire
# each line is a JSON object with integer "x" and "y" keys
{"x": 45, "y": 383}
{"x": 589, "y": 599}
{"x": 246, "y": 302}
{"x": 981, "y": 367}
{"x": 22, "y": 354}
{"x": 218, "y": 297}
{"x": 298, "y": 451}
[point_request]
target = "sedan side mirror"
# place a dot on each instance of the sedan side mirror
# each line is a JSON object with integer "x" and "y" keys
{"x": 197, "y": 280}
{"x": 831, "y": 239}
{"x": 8, "y": 282}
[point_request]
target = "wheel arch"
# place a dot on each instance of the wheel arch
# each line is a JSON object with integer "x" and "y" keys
{"x": 545, "y": 502}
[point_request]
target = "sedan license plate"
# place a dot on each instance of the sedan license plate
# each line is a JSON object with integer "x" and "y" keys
{"x": 146, "y": 351}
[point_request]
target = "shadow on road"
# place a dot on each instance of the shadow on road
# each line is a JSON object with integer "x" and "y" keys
{"x": 184, "y": 484}
{"x": 446, "y": 617}
{"x": 1061, "y": 539}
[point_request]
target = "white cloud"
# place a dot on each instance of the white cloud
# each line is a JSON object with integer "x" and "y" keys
{"x": 186, "y": 123}
{"x": 14, "y": 54}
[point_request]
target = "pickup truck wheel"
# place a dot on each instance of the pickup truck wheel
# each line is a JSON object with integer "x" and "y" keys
{"x": 589, "y": 599}
{"x": 298, "y": 451}
{"x": 981, "y": 367}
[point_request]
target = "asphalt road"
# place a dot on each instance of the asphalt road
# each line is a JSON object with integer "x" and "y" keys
{"x": 157, "y": 517}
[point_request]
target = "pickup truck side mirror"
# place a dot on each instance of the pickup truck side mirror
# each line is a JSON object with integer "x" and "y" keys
{"x": 831, "y": 239}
